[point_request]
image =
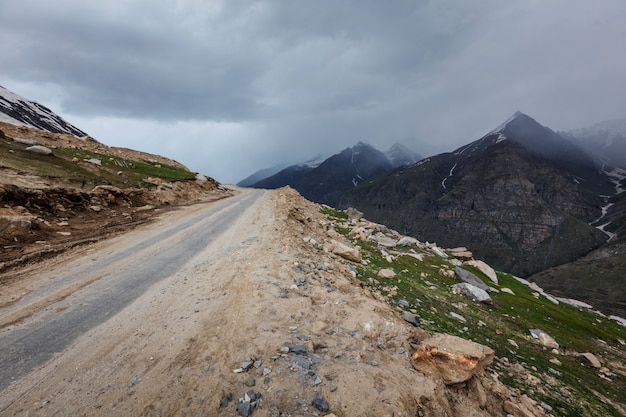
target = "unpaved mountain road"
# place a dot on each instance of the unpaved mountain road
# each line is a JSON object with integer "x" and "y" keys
{"x": 95, "y": 287}
{"x": 156, "y": 321}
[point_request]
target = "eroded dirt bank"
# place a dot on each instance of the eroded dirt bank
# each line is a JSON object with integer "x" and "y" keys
{"x": 259, "y": 311}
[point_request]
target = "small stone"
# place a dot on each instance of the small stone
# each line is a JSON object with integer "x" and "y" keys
{"x": 297, "y": 349}
{"x": 317, "y": 381}
{"x": 403, "y": 303}
{"x": 250, "y": 382}
{"x": 244, "y": 408}
{"x": 386, "y": 273}
{"x": 544, "y": 338}
{"x": 320, "y": 403}
{"x": 226, "y": 399}
{"x": 555, "y": 361}
{"x": 257, "y": 364}
{"x": 457, "y": 316}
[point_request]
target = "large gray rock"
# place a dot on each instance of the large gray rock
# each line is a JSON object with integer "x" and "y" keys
{"x": 466, "y": 276}
{"x": 451, "y": 358}
{"x": 475, "y": 293}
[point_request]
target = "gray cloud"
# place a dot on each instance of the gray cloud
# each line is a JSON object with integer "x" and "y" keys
{"x": 246, "y": 84}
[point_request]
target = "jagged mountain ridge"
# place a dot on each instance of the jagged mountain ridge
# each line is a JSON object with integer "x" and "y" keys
{"x": 324, "y": 182}
{"x": 17, "y": 110}
{"x": 512, "y": 196}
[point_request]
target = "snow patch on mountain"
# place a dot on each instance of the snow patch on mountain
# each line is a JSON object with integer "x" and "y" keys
{"x": 20, "y": 111}
{"x": 605, "y": 132}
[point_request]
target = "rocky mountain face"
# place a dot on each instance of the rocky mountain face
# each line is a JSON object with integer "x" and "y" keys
{"x": 521, "y": 197}
{"x": 324, "y": 183}
{"x": 20, "y": 111}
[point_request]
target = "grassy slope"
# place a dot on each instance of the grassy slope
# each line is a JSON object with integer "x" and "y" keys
{"x": 568, "y": 388}
{"x": 59, "y": 166}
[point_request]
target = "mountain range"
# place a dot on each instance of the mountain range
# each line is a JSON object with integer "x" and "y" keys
{"x": 523, "y": 197}
{"x": 325, "y": 180}
{"x": 528, "y": 200}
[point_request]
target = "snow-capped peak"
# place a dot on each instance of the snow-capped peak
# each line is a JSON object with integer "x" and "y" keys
{"x": 20, "y": 111}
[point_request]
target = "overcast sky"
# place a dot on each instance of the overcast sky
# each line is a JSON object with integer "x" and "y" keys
{"x": 229, "y": 87}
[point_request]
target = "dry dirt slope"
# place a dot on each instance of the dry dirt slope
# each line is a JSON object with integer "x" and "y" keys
{"x": 175, "y": 349}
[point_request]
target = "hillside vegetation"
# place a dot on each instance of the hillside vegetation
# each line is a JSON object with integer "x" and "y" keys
{"x": 81, "y": 191}
{"x": 557, "y": 377}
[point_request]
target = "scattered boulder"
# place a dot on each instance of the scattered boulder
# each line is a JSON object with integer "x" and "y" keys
{"x": 439, "y": 252}
{"x": 484, "y": 268}
{"x": 475, "y": 293}
{"x": 408, "y": 241}
{"x": 466, "y": 276}
{"x": 451, "y": 358}
{"x": 507, "y": 290}
{"x": 354, "y": 214}
{"x": 414, "y": 319}
{"x": 95, "y": 161}
{"x": 30, "y": 142}
{"x": 446, "y": 273}
{"x": 589, "y": 359}
{"x": 383, "y": 240}
{"x": 345, "y": 251}
{"x": 460, "y": 253}
{"x": 386, "y": 273}
{"x": 457, "y": 316}
{"x": 544, "y": 338}
{"x": 201, "y": 178}
{"x": 42, "y": 150}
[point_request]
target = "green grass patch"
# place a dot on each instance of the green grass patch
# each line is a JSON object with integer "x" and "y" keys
{"x": 567, "y": 387}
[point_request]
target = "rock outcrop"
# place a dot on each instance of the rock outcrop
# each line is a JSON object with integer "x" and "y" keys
{"x": 451, "y": 358}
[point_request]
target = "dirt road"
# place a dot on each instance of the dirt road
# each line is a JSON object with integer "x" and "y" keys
{"x": 173, "y": 319}
{"x": 97, "y": 286}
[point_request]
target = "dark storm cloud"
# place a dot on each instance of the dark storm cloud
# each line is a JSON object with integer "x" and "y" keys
{"x": 255, "y": 83}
